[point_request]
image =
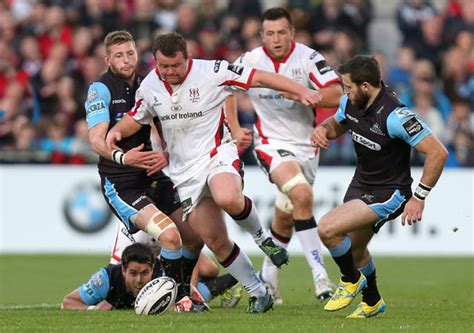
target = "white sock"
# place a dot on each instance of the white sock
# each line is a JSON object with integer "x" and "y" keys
{"x": 269, "y": 271}
{"x": 250, "y": 221}
{"x": 311, "y": 245}
{"x": 239, "y": 266}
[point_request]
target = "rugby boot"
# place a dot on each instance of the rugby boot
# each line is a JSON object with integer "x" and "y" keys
{"x": 345, "y": 293}
{"x": 324, "y": 288}
{"x": 231, "y": 297}
{"x": 277, "y": 254}
{"x": 363, "y": 310}
{"x": 260, "y": 304}
{"x": 272, "y": 288}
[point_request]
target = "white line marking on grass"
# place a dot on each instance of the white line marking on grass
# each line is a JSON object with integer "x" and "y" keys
{"x": 28, "y": 306}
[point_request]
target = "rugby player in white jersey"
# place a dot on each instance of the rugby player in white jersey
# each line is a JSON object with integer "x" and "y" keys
{"x": 282, "y": 140}
{"x": 188, "y": 97}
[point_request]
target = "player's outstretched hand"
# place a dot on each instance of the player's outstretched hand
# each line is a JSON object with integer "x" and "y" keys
{"x": 112, "y": 138}
{"x": 242, "y": 137}
{"x": 104, "y": 306}
{"x": 310, "y": 97}
{"x": 319, "y": 137}
{"x": 413, "y": 211}
{"x": 140, "y": 159}
{"x": 160, "y": 160}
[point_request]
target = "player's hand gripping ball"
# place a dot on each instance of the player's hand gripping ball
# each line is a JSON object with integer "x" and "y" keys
{"x": 156, "y": 296}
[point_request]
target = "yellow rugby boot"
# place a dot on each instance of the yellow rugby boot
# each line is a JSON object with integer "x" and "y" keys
{"x": 345, "y": 293}
{"x": 363, "y": 310}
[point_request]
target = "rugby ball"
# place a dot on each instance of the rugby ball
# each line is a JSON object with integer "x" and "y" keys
{"x": 156, "y": 296}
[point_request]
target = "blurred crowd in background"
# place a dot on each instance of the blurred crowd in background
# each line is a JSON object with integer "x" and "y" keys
{"x": 50, "y": 51}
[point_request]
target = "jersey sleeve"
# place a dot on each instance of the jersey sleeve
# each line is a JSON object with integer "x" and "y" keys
{"x": 97, "y": 104}
{"x": 232, "y": 76}
{"x": 341, "y": 110}
{"x": 403, "y": 124}
{"x": 320, "y": 73}
{"x": 141, "y": 111}
{"x": 96, "y": 289}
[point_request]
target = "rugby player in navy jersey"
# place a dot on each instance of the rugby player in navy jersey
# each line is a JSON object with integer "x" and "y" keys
{"x": 140, "y": 197}
{"x": 383, "y": 131}
{"x": 116, "y": 286}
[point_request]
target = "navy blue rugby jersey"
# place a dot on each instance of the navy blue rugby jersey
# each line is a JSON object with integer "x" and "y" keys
{"x": 383, "y": 136}
{"x": 108, "y": 100}
{"x": 108, "y": 284}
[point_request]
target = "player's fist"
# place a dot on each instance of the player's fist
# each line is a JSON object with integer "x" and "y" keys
{"x": 319, "y": 137}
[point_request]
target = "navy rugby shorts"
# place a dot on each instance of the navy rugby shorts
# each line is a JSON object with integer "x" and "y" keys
{"x": 127, "y": 195}
{"x": 386, "y": 203}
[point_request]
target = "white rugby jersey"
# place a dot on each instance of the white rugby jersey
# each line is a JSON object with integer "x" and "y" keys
{"x": 280, "y": 120}
{"x": 192, "y": 114}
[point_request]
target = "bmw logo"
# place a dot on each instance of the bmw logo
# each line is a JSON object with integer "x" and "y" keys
{"x": 85, "y": 208}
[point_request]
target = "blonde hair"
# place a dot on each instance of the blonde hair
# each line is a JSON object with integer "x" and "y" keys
{"x": 117, "y": 37}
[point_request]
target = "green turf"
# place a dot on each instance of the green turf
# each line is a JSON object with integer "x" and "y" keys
{"x": 422, "y": 295}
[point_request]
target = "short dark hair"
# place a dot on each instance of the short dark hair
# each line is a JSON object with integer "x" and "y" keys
{"x": 117, "y": 37}
{"x": 362, "y": 69}
{"x": 276, "y": 13}
{"x": 169, "y": 44}
{"x": 137, "y": 252}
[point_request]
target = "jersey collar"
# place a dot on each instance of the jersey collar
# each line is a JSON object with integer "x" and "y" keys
{"x": 377, "y": 99}
{"x": 168, "y": 86}
{"x": 276, "y": 63}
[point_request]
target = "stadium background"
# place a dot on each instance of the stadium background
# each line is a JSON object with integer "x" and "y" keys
{"x": 50, "y": 51}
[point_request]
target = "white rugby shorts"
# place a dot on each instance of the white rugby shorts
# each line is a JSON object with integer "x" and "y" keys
{"x": 196, "y": 187}
{"x": 271, "y": 156}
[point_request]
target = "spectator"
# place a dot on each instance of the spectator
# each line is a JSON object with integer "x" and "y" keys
{"x": 410, "y": 16}
{"x": 399, "y": 75}
{"x": 424, "y": 82}
{"x": 325, "y": 20}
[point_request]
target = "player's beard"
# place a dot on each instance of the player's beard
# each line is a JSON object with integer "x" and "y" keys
{"x": 122, "y": 74}
{"x": 360, "y": 99}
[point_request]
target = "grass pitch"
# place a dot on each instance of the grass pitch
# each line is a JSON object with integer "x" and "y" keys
{"x": 422, "y": 294}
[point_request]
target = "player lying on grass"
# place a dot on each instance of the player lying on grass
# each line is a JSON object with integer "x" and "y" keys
{"x": 116, "y": 286}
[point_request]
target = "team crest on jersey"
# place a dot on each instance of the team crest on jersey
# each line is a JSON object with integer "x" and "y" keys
{"x": 194, "y": 95}
{"x": 296, "y": 73}
{"x": 91, "y": 95}
{"x": 376, "y": 129}
{"x": 97, "y": 280}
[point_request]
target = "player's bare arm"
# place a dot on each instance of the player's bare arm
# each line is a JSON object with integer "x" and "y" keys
{"x": 134, "y": 157}
{"x": 278, "y": 82}
{"x": 242, "y": 136}
{"x": 126, "y": 127}
{"x": 329, "y": 129}
{"x": 73, "y": 301}
{"x": 436, "y": 156}
{"x": 331, "y": 95}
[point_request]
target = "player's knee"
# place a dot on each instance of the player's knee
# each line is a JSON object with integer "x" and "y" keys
{"x": 229, "y": 201}
{"x": 162, "y": 228}
{"x": 326, "y": 230}
{"x": 170, "y": 239}
{"x": 301, "y": 195}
